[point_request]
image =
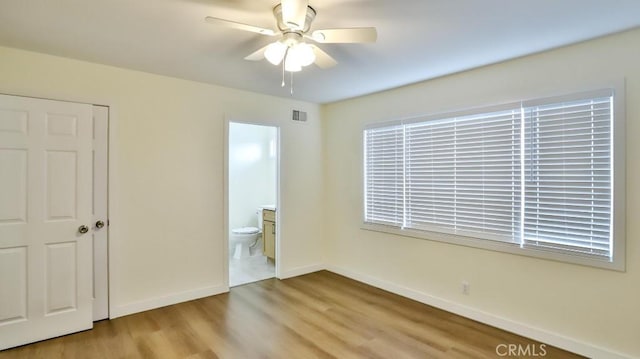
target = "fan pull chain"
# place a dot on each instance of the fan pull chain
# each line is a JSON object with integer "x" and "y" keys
{"x": 292, "y": 84}
{"x": 282, "y": 85}
{"x": 284, "y": 61}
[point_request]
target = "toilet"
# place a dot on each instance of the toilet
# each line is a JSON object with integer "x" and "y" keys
{"x": 242, "y": 239}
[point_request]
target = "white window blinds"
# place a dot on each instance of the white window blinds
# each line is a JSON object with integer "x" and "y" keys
{"x": 537, "y": 175}
{"x": 463, "y": 175}
{"x": 568, "y": 176}
{"x": 384, "y": 175}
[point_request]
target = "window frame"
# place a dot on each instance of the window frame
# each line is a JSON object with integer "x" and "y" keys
{"x": 618, "y": 173}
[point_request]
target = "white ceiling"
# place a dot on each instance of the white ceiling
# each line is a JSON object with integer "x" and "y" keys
{"x": 417, "y": 39}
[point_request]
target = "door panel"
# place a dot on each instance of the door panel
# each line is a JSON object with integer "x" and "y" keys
{"x": 13, "y": 298}
{"x": 45, "y": 195}
{"x": 61, "y": 277}
{"x": 13, "y": 121}
{"x": 61, "y": 125}
{"x": 61, "y": 185}
{"x": 13, "y": 207}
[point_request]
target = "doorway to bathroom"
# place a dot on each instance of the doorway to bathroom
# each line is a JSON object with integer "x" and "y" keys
{"x": 252, "y": 202}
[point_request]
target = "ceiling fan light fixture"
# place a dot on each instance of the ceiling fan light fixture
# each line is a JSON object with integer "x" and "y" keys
{"x": 274, "y": 53}
{"x": 304, "y": 54}
{"x": 294, "y": 19}
{"x": 291, "y": 63}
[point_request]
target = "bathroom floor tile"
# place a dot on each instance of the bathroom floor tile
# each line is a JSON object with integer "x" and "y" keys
{"x": 251, "y": 269}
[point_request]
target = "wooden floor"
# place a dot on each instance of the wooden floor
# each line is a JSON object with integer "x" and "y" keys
{"x": 320, "y": 315}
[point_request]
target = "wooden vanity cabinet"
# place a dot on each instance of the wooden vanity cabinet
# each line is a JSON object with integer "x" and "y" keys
{"x": 269, "y": 233}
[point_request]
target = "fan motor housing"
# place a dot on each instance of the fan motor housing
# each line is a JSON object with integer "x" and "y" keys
{"x": 277, "y": 12}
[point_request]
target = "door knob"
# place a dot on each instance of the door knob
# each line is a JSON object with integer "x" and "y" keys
{"x": 99, "y": 224}
{"x": 83, "y": 229}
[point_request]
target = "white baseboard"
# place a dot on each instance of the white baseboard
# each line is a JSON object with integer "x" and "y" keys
{"x": 165, "y": 300}
{"x": 301, "y": 271}
{"x": 544, "y": 336}
{"x": 176, "y": 298}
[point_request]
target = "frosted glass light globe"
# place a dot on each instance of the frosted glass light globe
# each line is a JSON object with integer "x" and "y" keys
{"x": 291, "y": 62}
{"x": 304, "y": 53}
{"x": 274, "y": 53}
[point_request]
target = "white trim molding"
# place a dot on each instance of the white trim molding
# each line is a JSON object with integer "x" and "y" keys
{"x": 298, "y": 271}
{"x": 541, "y": 335}
{"x": 166, "y": 300}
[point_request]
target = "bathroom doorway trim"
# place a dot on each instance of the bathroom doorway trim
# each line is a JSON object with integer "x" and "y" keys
{"x": 228, "y": 119}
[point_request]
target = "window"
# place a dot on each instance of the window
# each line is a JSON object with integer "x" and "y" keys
{"x": 384, "y": 173}
{"x": 462, "y": 175}
{"x": 534, "y": 178}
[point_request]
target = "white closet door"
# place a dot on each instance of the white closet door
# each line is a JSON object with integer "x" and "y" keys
{"x": 45, "y": 198}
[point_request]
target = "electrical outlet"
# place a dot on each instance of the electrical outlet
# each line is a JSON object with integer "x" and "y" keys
{"x": 465, "y": 287}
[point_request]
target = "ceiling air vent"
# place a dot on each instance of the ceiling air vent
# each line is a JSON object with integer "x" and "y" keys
{"x": 300, "y": 116}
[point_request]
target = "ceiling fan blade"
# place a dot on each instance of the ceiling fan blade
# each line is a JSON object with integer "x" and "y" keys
{"x": 239, "y": 26}
{"x": 294, "y": 13}
{"x": 323, "y": 60}
{"x": 257, "y": 55}
{"x": 344, "y": 36}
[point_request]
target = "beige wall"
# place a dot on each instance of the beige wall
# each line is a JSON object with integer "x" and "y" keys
{"x": 593, "y": 306}
{"x": 167, "y": 165}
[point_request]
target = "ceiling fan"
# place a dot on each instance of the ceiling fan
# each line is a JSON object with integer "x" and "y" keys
{"x": 295, "y": 46}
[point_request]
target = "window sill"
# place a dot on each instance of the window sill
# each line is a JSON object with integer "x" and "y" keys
{"x": 498, "y": 246}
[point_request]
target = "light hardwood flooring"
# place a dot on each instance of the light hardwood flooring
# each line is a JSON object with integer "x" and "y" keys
{"x": 319, "y": 315}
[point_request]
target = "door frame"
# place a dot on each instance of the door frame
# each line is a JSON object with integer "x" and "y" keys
{"x": 101, "y": 271}
{"x": 228, "y": 119}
